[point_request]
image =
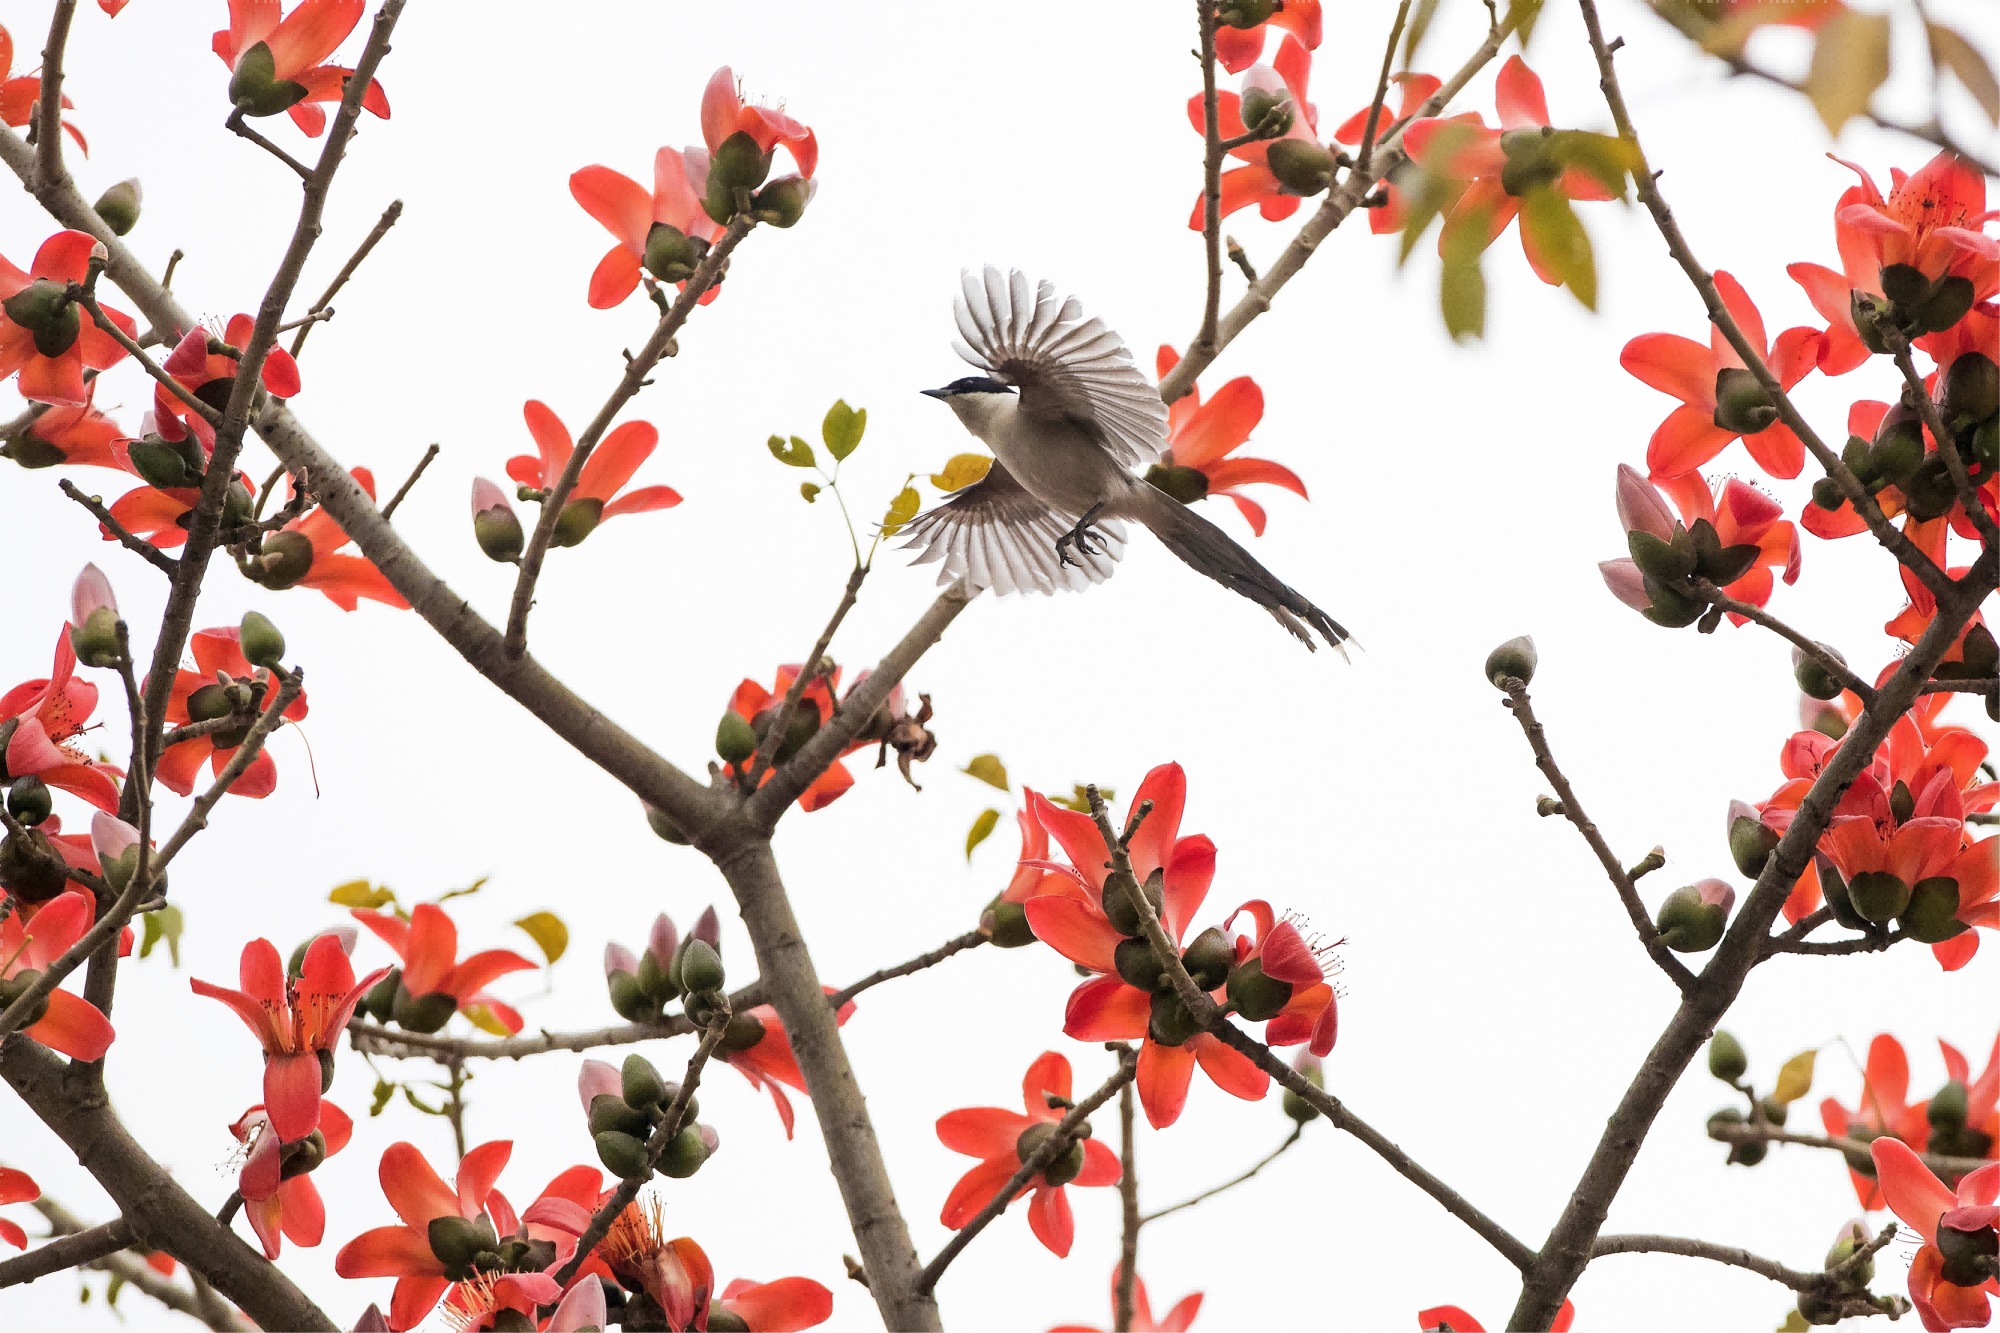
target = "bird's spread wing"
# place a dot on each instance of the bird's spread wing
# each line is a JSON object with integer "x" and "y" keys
{"x": 1065, "y": 366}
{"x": 996, "y": 535}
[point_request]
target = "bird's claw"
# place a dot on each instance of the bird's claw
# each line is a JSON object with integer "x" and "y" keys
{"x": 1080, "y": 537}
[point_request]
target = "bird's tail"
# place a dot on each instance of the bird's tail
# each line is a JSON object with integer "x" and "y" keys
{"x": 1208, "y": 549}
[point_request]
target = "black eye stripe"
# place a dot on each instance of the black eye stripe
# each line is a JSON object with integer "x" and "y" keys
{"x": 977, "y": 384}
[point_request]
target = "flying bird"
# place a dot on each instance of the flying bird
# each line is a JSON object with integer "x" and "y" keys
{"x": 1069, "y": 419}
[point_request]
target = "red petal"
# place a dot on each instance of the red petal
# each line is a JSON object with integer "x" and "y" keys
{"x": 1221, "y": 424}
{"x": 784, "y": 1306}
{"x": 1672, "y": 364}
{"x": 291, "y": 1094}
{"x": 432, "y": 949}
{"x": 388, "y": 1252}
{"x": 414, "y": 1190}
{"x": 977, "y": 1188}
{"x": 615, "y": 459}
{"x": 310, "y": 33}
{"x": 1909, "y": 1188}
{"x": 1519, "y": 98}
{"x": 74, "y": 1027}
{"x": 1152, "y": 848}
{"x": 1050, "y": 1219}
{"x": 1448, "y": 1316}
{"x": 1229, "y": 1069}
{"x": 1106, "y": 1009}
{"x": 1234, "y": 472}
{"x": 1688, "y": 438}
{"x": 472, "y": 975}
{"x": 551, "y": 438}
{"x": 615, "y": 278}
{"x": 476, "y": 1173}
{"x": 620, "y": 204}
{"x": 982, "y": 1131}
{"x": 1164, "y": 1072}
{"x": 1100, "y": 1165}
{"x": 643, "y": 501}
{"x": 1073, "y": 929}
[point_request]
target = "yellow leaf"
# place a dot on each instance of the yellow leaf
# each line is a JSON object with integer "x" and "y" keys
{"x": 483, "y": 1019}
{"x": 1794, "y": 1323}
{"x": 548, "y": 932}
{"x": 989, "y": 770}
{"x": 1795, "y": 1077}
{"x": 1953, "y": 52}
{"x": 792, "y": 453}
{"x": 1850, "y": 61}
{"x": 1462, "y": 287}
{"x": 1080, "y": 801}
{"x": 982, "y": 827}
{"x": 357, "y": 893}
{"x": 1551, "y": 225}
{"x": 961, "y": 471}
{"x": 901, "y": 510}
{"x": 471, "y": 888}
{"x": 843, "y": 428}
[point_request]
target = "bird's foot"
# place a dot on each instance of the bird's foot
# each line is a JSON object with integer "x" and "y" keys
{"x": 1081, "y": 537}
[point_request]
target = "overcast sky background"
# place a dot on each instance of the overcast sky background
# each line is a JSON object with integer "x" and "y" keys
{"x": 1496, "y": 1003}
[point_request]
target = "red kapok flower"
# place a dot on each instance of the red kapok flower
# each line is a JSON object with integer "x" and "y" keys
{"x": 209, "y": 375}
{"x": 767, "y": 1059}
{"x": 1177, "y": 1320}
{"x": 611, "y": 464}
{"x": 275, "y": 66}
{"x": 32, "y": 939}
{"x": 38, "y": 721}
{"x": 1741, "y": 515}
{"x": 1692, "y": 433}
{"x": 1452, "y": 1319}
{"x": 759, "y": 707}
{"x": 77, "y": 436}
{"x": 1282, "y": 952}
{"x": 1201, "y": 435}
{"x": 1881, "y": 1111}
{"x": 1948, "y": 1284}
{"x": 678, "y": 1276}
{"x": 16, "y": 1187}
{"x": 420, "y": 1197}
{"x": 202, "y": 695}
{"x": 19, "y": 95}
{"x": 1069, "y": 914}
{"x": 299, "y": 1023}
{"x": 428, "y": 945}
{"x": 310, "y": 557}
{"x": 1006, "y": 1139}
{"x": 1286, "y": 76}
{"x": 1238, "y": 48}
{"x": 724, "y": 112}
{"x": 45, "y": 336}
{"x": 279, "y": 1206}
{"x": 628, "y": 212}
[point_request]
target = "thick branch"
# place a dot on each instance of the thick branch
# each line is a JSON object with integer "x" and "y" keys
{"x": 48, "y": 111}
{"x": 202, "y": 1303}
{"x": 77, "y": 1250}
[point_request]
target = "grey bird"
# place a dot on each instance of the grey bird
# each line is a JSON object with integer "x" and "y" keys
{"x": 1069, "y": 418}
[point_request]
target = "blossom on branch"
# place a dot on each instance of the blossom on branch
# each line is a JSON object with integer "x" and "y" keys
{"x": 280, "y": 1200}
{"x": 18, "y": 96}
{"x": 1952, "y": 1280}
{"x": 274, "y": 64}
{"x": 758, "y": 708}
{"x": 433, "y": 983}
{"x": 226, "y": 685}
{"x": 209, "y": 374}
{"x": 306, "y": 553}
{"x": 79, "y": 436}
{"x": 1177, "y": 1320}
{"x": 1881, "y": 1111}
{"x": 1276, "y": 187}
{"x": 46, "y": 338}
{"x": 1004, "y": 1140}
{"x": 39, "y": 722}
{"x": 1452, "y": 1319}
{"x": 1201, "y": 435}
{"x": 1238, "y": 48}
{"x": 740, "y": 140}
{"x": 611, "y": 464}
{"x": 31, "y": 938}
{"x": 676, "y": 1279}
{"x": 665, "y": 232}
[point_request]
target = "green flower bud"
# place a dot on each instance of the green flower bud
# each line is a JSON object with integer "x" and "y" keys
{"x": 1898, "y": 447}
{"x": 1969, "y": 1255}
{"x": 734, "y": 740}
{"x": 700, "y": 967}
{"x": 498, "y": 532}
{"x": 783, "y": 202}
{"x": 670, "y": 255}
{"x": 1863, "y": 1161}
{"x": 1726, "y": 1059}
{"x": 1813, "y": 677}
{"x": 1751, "y": 840}
{"x": 641, "y": 1082}
{"x": 1932, "y": 912}
{"x": 1817, "y": 1310}
{"x": 96, "y": 639}
{"x": 1747, "y": 1154}
{"x": 629, "y": 999}
{"x": 738, "y": 164}
{"x": 1301, "y": 166}
{"x": 423, "y": 1013}
{"x": 1878, "y": 895}
{"x": 1006, "y": 924}
{"x": 579, "y": 518}
{"x": 29, "y": 801}
{"x": 665, "y": 828}
{"x": 1774, "y": 1110}
{"x": 1267, "y": 111}
{"x": 623, "y": 1155}
{"x": 1873, "y": 319}
{"x": 1185, "y": 484}
{"x": 119, "y": 206}
{"x": 160, "y": 464}
{"x": 1984, "y": 451}
{"x": 1929, "y": 492}
{"x": 685, "y": 1155}
{"x": 457, "y": 1242}
{"x": 286, "y": 558}
{"x": 1741, "y": 405}
{"x": 1515, "y": 658}
{"x": 262, "y": 644}
{"x": 255, "y": 89}
{"x": 610, "y": 1113}
{"x": 1117, "y": 900}
{"x": 1692, "y": 919}
{"x": 380, "y": 1001}
{"x": 1852, "y": 1237}
{"x": 44, "y": 309}
{"x": 1137, "y": 965}
{"x": 1670, "y": 608}
{"x": 1971, "y": 388}
{"x": 1169, "y": 1023}
{"x": 1255, "y": 995}
{"x": 1297, "y": 1107}
{"x": 30, "y": 868}
{"x": 743, "y": 1033}
{"x": 1209, "y": 958}
{"x": 1826, "y": 493}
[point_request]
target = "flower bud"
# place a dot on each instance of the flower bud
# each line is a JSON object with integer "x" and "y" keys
{"x": 1932, "y": 912}
{"x": 742, "y": 1034}
{"x": 1297, "y": 1107}
{"x": 579, "y": 518}
{"x": 1627, "y": 584}
{"x": 1852, "y": 1237}
{"x": 1006, "y": 924}
{"x": 116, "y": 845}
{"x": 29, "y": 801}
{"x": 95, "y": 638}
{"x": 722, "y": 1319}
{"x": 1751, "y": 840}
{"x": 1255, "y": 995}
{"x": 700, "y": 967}
{"x": 1741, "y": 405}
{"x": 641, "y": 1082}
{"x": 623, "y": 1155}
{"x": 1208, "y": 958}
{"x": 670, "y": 255}
{"x": 1726, "y": 1059}
{"x": 1513, "y": 659}
{"x": 1897, "y": 449}
{"x": 1245, "y": 13}
{"x": 1878, "y": 896}
{"x": 44, "y": 309}
{"x": 783, "y": 202}
{"x": 119, "y": 206}
{"x": 1691, "y": 919}
{"x": 286, "y": 558}
{"x": 380, "y": 1001}
{"x": 1267, "y": 111}
{"x": 734, "y": 740}
{"x": 423, "y": 1013}
{"x": 1773, "y": 1110}
{"x": 664, "y": 827}
{"x": 1813, "y": 677}
{"x": 662, "y": 940}
{"x": 611, "y": 1113}
{"x": 1640, "y": 507}
{"x": 261, "y": 642}
{"x": 686, "y": 1153}
{"x": 629, "y": 999}
{"x": 495, "y": 526}
{"x": 30, "y": 867}
{"x": 1301, "y": 166}
{"x": 1929, "y": 492}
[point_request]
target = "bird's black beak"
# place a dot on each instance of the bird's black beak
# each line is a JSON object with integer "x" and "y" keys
{"x": 937, "y": 393}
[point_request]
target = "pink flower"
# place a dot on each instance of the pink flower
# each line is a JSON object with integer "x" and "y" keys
{"x": 630, "y": 213}
{"x": 279, "y": 1199}
{"x": 1949, "y": 1285}
{"x": 31, "y": 938}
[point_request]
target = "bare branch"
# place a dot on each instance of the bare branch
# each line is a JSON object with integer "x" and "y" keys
{"x": 48, "y": 110}
{"x": 774, "y": 735}
{"x": 77, "y": 1250}
{"x": 320, "y": 307}
{"x": 972, "y": 939}
{"x": 152, "y": 554}
{"x": 1233, "y": 1181}
{"x": 1374, "y": 123}
{"x": 235, "y": 124}
{"x": 389, "y": 510}
{"x": 1124, "y": 1294}
{"x": 202, "y": 1303}
{"x": 1827, "y": 662}
{"x": 1855, "y": 1150}
{"x": 1211, "y": 184}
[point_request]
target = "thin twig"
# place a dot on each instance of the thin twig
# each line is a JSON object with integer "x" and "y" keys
{"x": 1211, "y": 183}
{"x": 381, "y": 229}
{"x": 173, "y": 262}
{"x": 1919, "y": 397}
{"x": 1239, "y": 257}
{"x": 1124, "y": 1293}
{"x": 388, "y": 510}
{"x": 1374, "y": 124}
{"x": 634, "y": 379}
{"x": 236, "y": 124}
{"x": 152, "y": 554}
{"x": 1833, "y": 948}
{"x": 1052, "y": 1147}
{"x": 85, "y": 295}
{"x": 48, "y": 111}
{"x": 1234, "y": 1181}
{"x": 1621, "y": 880}
{"x": 1832, "y": 665}
{"x": 1939, "y": 1163}
{"x": 1833, "y": 1286}
{"x": 76, "y": 1250}
{"x": 1986, "y": 686}
{"x": 972, "y": 939}
{"x": 774, "y": 735}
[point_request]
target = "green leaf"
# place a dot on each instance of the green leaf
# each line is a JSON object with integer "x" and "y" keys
{"x": 1550, "y": 225}
{"x": 960, "y": 471}
{"x": 989, "y": 770}
{"x": 1462, "y": 287}
{"x": 810, "y": 490}
{"x": 843, "y": 428}
{"x": 795, "y": 453}
{"x": 1951, "y": 51}
{"x": 164, "y": 924}
{"x": 982, "y": 828}
{"x": 467, "y": 891}
{"x": 548, "y": 932}
{"x": 358, "y": 893}
{"x": 1850, "y": 61}
{"x": 1795, "y": 1078}
{"x": 1420, "y": 24}
{"x": 412, "y": 1098}
{"x": 112, "y": 1288}
{"x": 383, "y": 1092}
{"x": 1606, "y": 157}
{"x": 901, "y": 510}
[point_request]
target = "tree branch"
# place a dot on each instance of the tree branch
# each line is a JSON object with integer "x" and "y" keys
{"x": 1827, "y": 662}
{"x": 1831, "y": 1286}
{"x": 1919, "y": 397}
{"x": 1374, "y": 123}
{"x": 75, "y": 1250}
{"x": 1852, "y": 1149}
{"x": 1233, "y": 1181}
{"x": 774, "y": 735}
{"x": 48, "y": 111}
{"x": 202, "y": 1303}
{"x": 389, "y": 510}
{"x": 152, "y": 554}
{"x": 1124, "y": 1292}
{"x": 1211, "y": 183}
{"x": 972, "y": 939}
{"x": 381, "y": 229}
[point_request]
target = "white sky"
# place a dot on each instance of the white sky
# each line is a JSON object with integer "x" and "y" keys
{"x": 1496, "y": 1002}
